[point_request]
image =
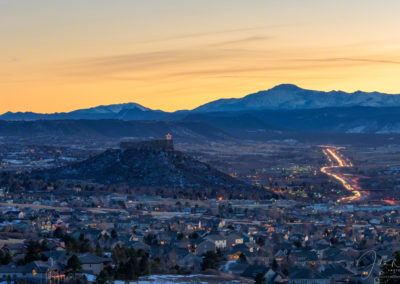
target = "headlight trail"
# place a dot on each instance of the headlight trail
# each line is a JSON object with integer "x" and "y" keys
{"x": 338, "y": 162}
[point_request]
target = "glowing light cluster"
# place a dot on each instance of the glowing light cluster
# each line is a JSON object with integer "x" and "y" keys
{"x": 333, "y": 157}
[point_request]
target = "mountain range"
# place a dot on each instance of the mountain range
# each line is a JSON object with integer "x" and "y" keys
{"x": 127, "y": 111}
{"x": 281, "y": 97}
{"x": 290, "y": 97}
{"x": 282, "y": 111}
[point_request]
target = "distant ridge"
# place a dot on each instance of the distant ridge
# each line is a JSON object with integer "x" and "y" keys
{"x": 126, "y": 111}
{"x": 283, "y": 108}
{"x": 290, "y": 97}
{"x": 280, "y": 97}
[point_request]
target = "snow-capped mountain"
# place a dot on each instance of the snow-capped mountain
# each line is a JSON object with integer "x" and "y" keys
{"x": 115, "y": 108}
{"x": 128, "y": 111}
{"x": 288, "y": 96}
{"x": 284, "y": 107}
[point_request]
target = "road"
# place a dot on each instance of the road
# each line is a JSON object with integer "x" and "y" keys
{"x": 338, "y": 161}
{"x": 57, "y": 208}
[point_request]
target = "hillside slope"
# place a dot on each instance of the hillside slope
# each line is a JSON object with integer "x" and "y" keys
{"x": 109, "y": 128}
{"x": 153, "y": 168}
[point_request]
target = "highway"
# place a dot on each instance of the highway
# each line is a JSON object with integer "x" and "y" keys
{"x": 338, "y": 161}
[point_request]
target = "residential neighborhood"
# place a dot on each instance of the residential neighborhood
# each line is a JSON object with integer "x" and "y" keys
{"x": 282, "y": 241}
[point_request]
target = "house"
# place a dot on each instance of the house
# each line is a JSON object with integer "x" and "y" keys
{"x": 218, "y": 240}
{"x": 141, "y": 245}
{"x": 281, "y": 255}
{"x": 233, "y": 240}
{"x": 234, "y": 255}
{"x": 134, "y": 238}
{"x": 304, "y": 257}
{"x": 333, "y": 256}
{"x": 60, "y": 256}
{"x": 92, "y": 264}
{"x": 235, "y": 268}
{"x": 270, "y": 275}
{"x": 306, "y": 276}
{"x": 205, "y": 246}
{"x": 34, "y": 271}
{"x": 184, "y": 243}
{"x": 13, "y": 272}
{"x": 237, "y": 250}
{"x": 13, "y": 248}
{"x": 191, "y": 261}
{"x": 277, "y": 278}
{"x": 174, "y": 254}
{"x": 252, "y": 270}
{"x": 337, "y": 273}
{"x": 90, "y": 234}
{"x": 166, "y": 237}
{"x": 14, "y": 214}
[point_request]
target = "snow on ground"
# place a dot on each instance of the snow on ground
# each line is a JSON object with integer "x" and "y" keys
{"x": 180, "y": 279}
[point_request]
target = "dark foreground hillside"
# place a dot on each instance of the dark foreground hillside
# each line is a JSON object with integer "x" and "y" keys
{"x": 138, "y": 168}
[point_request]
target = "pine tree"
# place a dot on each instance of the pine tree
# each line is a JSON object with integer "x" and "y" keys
{"x": 144, "y": 265}
{"x": 260, "y": 279}
{"x": 114, "y": 234}
{"x": 74, "y": 265}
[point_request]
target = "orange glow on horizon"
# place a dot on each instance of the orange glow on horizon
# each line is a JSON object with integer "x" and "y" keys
{"x": 60, "y": 56}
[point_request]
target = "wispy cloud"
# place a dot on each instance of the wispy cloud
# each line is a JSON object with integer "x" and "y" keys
{"x": 352, "y": 59}
{"x": 200, "y": 34}
{"x": 224, "y": 58}
{"x": 154, "y": 62}
{"x": 243, "y": 40}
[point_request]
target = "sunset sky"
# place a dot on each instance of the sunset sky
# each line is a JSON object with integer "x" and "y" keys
{"x": 64, "y": 55}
